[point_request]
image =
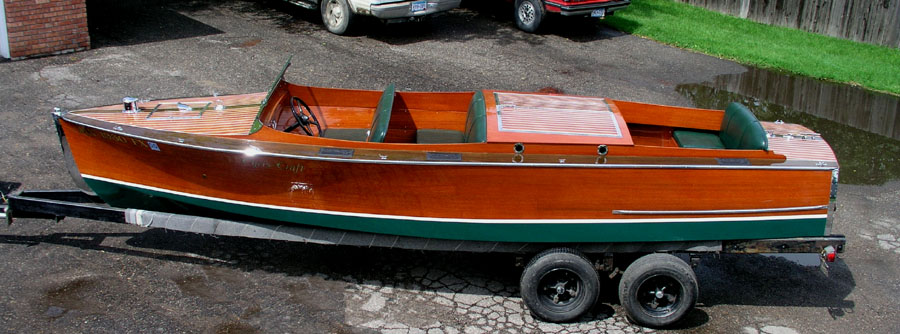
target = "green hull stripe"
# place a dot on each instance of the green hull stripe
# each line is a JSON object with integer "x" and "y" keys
{"x": 678, "y": 230}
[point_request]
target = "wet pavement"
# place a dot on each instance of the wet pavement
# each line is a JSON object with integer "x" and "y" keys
{"x": 863, "y": 127}
{"x": 81, "y": 276}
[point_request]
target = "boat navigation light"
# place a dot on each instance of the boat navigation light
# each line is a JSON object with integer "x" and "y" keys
{"x": 829, "y": 254}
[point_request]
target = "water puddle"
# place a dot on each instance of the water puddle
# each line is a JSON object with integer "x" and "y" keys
{"x": 862, "y": 127}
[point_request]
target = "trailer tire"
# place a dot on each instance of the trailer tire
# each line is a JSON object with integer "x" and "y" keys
{"x": 559, "y": 285}
{"x": 336, "y": 15}
{"x": 657, "y": 290}
{"x": 529, "y": 14}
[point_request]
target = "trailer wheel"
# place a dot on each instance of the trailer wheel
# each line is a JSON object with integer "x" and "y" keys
{"x": 559, "y": 285}
{"x": 657, "y": 290}
{"x": 336, "y": 14}
{"x": 529, "y": 14}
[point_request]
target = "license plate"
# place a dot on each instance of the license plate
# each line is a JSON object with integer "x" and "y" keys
{"x": 599, "y": 12}
{"x": 417, "y": 6}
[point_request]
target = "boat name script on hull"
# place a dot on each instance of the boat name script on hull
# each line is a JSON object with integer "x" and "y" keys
{"x": 112, "y": 137}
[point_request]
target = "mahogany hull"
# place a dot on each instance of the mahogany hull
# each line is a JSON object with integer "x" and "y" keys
{"x": 553, "y": 199}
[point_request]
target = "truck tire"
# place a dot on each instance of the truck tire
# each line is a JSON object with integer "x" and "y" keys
{"x": 657, "y": 290}
{"x": 529, "y": 14}
{"x": 559, "y": 285}
{"x": 337, "y": 15}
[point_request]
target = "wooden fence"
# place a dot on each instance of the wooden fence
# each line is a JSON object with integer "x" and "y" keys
{"x": 869, "y": 21}
{"x": 862, "y": 109}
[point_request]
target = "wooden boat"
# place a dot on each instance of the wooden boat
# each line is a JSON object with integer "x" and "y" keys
{"x": 486, "y": 165}
{"x": 486, "y": 168}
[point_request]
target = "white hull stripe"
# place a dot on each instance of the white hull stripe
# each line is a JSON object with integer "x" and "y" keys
{"x": 461, "y": 220}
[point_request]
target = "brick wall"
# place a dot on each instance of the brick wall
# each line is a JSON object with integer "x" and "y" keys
{"x": 43, "y": 27}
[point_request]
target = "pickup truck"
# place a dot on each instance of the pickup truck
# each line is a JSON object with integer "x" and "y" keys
{"x": 338, "y": 14}
{"x": 530, "y": 13}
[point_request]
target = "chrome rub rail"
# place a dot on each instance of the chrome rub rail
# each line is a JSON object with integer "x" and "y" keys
{"x": 717, "y": 212}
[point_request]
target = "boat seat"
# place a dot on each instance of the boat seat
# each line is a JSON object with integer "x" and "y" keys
{"x": 438, "y": 136}
{"x": 740, "y": 130}
{"x": 475, "y": 132}
{"x": 346, "y": 134}
{"x": 476, "y": 120}
{"x": 382, "y": 117}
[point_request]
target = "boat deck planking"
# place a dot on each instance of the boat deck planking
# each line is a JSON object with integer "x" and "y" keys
{"x": 411, "y": 113}
{"x": 236, "y": 119}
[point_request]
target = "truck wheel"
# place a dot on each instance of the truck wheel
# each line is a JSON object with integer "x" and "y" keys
{"x": 336, "y": 14}
{"x": 657, "y": 290}
{"x": 529, "y": 14}
{"x": 559, "y": 285}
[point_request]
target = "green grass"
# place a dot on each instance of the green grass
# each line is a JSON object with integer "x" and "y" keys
{"x": 791, "y": 50}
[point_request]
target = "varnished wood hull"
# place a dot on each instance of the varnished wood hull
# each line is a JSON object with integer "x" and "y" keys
{"x": 542, "y": 198}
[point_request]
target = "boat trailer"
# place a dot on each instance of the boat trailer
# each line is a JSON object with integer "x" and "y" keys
{"x": 656, "y": 288}
{"x": 59, "y": 204}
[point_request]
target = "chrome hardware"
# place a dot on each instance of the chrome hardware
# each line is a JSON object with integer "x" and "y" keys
{"x": 518, "y": 148}
{"x": 220, "y": 105}
{"x": 181, "y": 107}
{"x": 835, "y": 174}
{"x": 130, "y": 105}
{"x": 602, "y": 150}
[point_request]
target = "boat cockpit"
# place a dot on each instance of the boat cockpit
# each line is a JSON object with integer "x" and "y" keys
{"x": 423, "y": 118}
{"x": 390, "y": 116}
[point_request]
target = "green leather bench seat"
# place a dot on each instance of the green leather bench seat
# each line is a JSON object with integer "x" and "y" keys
{"x": 697, "y": 139}
{"x": 346, "y": 134}
{"x": 380, "y": 121}
{"x": 382, "y": 117}
{"x": 438, "y": 136}
{"x": 476, "y": 120}
{"x": 476, "y": 127}
{"x": 740, "y": 130}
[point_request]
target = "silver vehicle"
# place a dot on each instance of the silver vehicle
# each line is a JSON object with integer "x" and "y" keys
{"x": 338, "y": 14}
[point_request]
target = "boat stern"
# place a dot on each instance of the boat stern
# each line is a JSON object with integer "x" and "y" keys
{"x": 805, "y": 148}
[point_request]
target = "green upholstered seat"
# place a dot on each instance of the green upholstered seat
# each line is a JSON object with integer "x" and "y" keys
{"x": 346, "y": 134}
{"x": 382, "y": 117}
{"x": 438, "y": 136}
{"x": 476, "y": 120}
{"x": 475, "y": 132}
{"x": 739, "y": 130}
{"x": 696, "y": 139}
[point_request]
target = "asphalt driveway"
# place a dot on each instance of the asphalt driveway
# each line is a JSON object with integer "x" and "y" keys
{"x": 87, "y": 276}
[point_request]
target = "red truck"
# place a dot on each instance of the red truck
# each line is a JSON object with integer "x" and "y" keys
{"x": 530, "y": 13}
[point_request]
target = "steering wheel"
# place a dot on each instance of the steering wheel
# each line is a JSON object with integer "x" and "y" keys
{"x": 303, "y": 118}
